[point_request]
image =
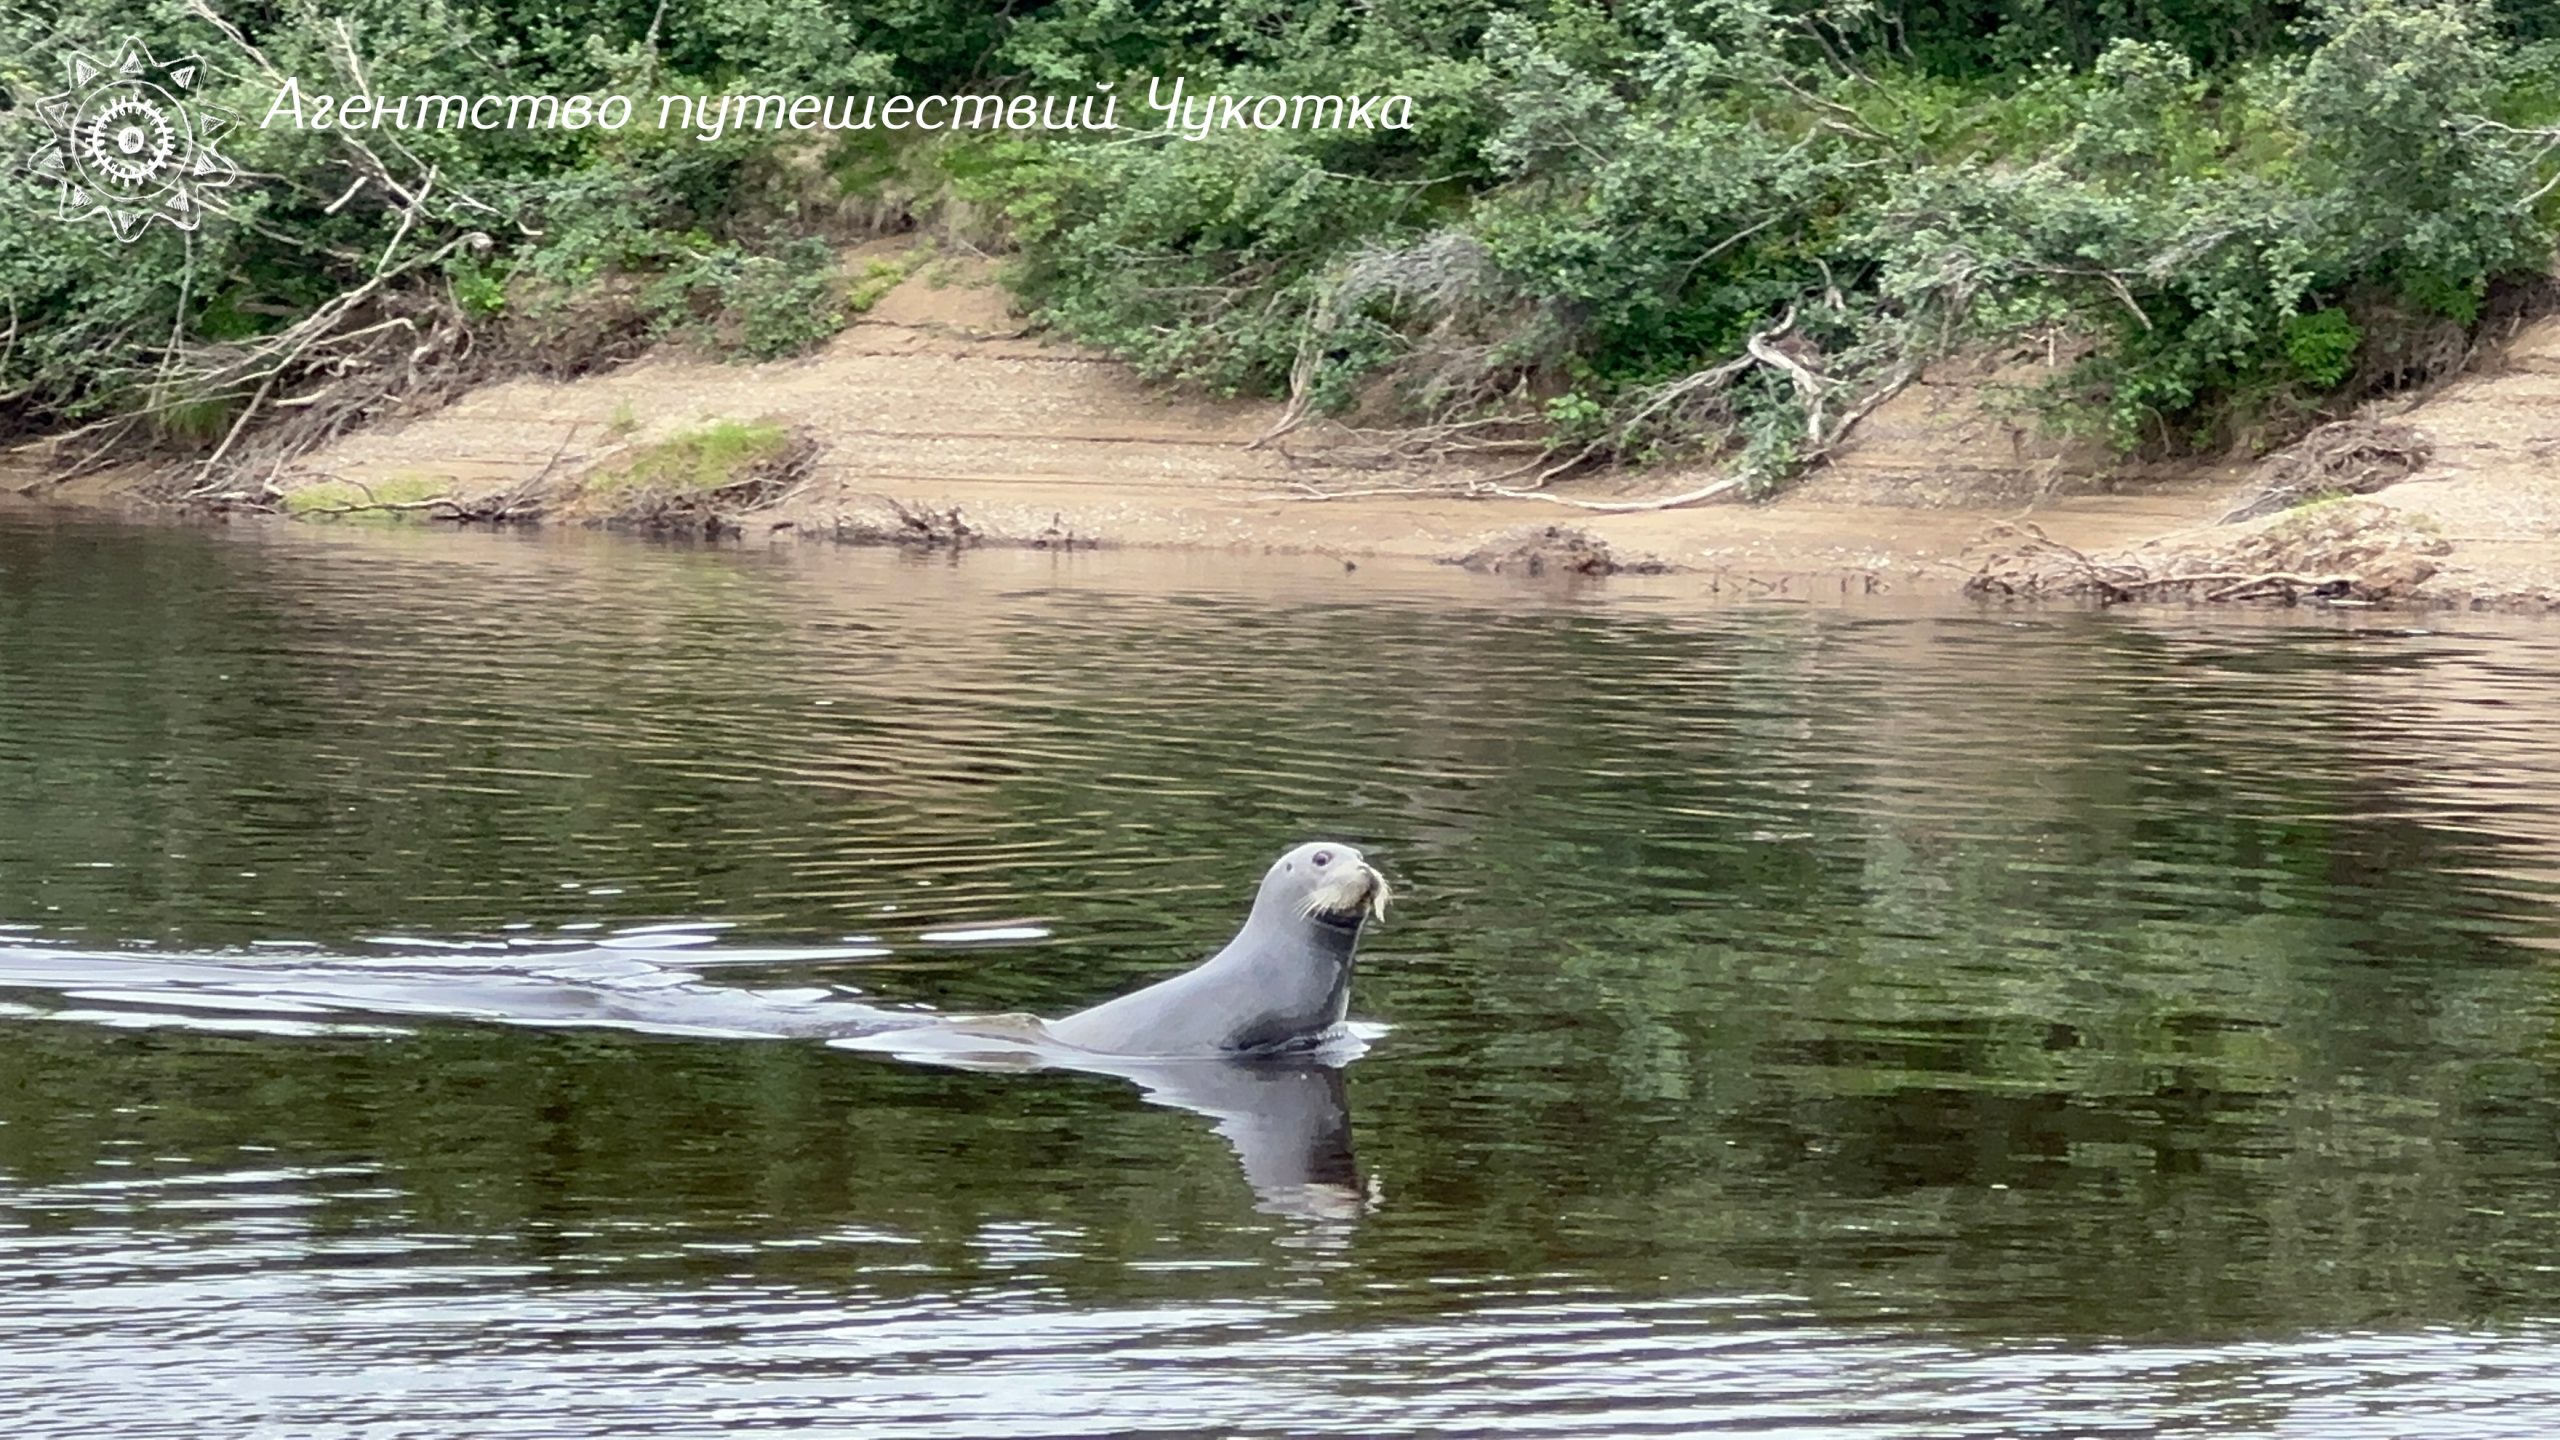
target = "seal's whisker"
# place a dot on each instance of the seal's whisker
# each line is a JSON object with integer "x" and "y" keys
{"x": 1350, "y": 893}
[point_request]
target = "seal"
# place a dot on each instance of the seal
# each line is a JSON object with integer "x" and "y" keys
{"x": 1283, "y": 983}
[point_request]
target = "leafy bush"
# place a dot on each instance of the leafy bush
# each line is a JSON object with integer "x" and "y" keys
{"x": 2322, "y": 346}
{"x": 1640, "y": 195}
{"x": 1646, "y": 227}
{"x": 106, "y": 328}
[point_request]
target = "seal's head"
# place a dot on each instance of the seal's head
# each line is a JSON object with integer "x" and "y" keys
{"x": 1283, "y": 982}
{"x": 1324, "y": 881}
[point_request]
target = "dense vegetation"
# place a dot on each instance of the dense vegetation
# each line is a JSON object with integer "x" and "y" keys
{"x": 1638, "y": 229}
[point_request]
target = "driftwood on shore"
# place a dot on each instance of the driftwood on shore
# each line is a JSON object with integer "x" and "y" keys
{"x": 2354, "y": 552}
{"x": 1553, "y": 550}
{"x": 657, "y": 502}
{"x": 2345, "y": 457}
{"x": 1462, "y": 449}
{"x": 2031, "y": 565}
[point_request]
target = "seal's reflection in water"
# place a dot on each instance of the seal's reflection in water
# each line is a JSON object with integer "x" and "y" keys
{"x": 1288, "y": 1117}
{"x": 1253, "y": 1038}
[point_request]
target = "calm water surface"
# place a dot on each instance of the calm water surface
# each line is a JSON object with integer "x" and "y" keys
{"x": 1806, "y": 1021}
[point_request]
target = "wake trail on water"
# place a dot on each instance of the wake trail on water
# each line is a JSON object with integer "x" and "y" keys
{"x": 1286, "y": 1117}
{"x": 308, "y": 993}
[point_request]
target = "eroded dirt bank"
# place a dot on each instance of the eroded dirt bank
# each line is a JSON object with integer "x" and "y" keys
{"x": 936, "y": 417}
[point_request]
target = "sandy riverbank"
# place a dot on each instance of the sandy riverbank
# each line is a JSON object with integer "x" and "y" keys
{"x": 936, "y": 400}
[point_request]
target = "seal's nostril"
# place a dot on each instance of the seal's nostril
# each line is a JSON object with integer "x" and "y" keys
{"x": 1323, "y": 858}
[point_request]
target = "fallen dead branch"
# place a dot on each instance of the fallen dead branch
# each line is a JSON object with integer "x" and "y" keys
{"x": 1410, "y": 446}
{"x": 2346, "y": 457}
{"x": 521, "y": 503}
{"x": 1700, "y": 403}
{"x": 394, "y": 338}
{"x": 374, "y": 505}
{"x": 1486, "y": 490}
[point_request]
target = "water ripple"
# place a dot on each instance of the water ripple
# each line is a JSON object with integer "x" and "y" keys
{"x": 1876, "y": 1021}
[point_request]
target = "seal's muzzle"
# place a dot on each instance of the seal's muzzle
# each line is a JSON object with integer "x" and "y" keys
{"x": 1347, "y": 895}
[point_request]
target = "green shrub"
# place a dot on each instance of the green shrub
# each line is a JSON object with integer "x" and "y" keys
{"x": 2322, "y": 346}
{"x": 2243, "y": 205}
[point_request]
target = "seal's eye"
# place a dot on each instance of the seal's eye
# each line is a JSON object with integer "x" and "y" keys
{"x": 1323, "y": 858}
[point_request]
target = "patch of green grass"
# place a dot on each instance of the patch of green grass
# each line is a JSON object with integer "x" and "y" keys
{"x": 710, "y": 458}
{"x": 196, "y": 422}
{"x": 322, "y": 501}
{"x": 878, "y": 278}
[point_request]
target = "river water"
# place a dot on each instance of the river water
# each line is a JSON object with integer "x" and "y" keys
{"x": 1848, "y": 1020}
